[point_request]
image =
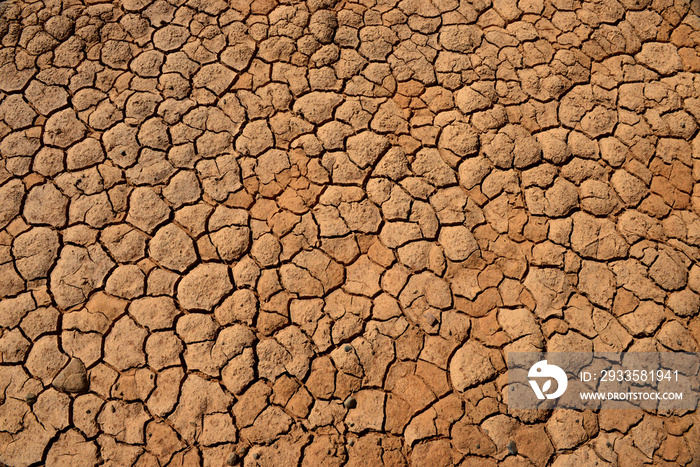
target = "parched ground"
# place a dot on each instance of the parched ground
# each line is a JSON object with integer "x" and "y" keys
{"x": 308, "y": 233}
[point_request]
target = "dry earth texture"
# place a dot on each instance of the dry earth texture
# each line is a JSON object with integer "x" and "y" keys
{"x": 288, "y": 233}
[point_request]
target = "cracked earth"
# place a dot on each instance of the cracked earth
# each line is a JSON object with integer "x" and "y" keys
{"x": 308, "y": 233}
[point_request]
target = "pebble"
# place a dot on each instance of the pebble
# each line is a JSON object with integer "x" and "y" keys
{"x": 73, "y": 378}
{"x": 30, "y": 398}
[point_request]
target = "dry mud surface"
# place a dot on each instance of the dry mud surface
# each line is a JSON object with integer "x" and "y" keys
{"x": 307, "y": 233}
